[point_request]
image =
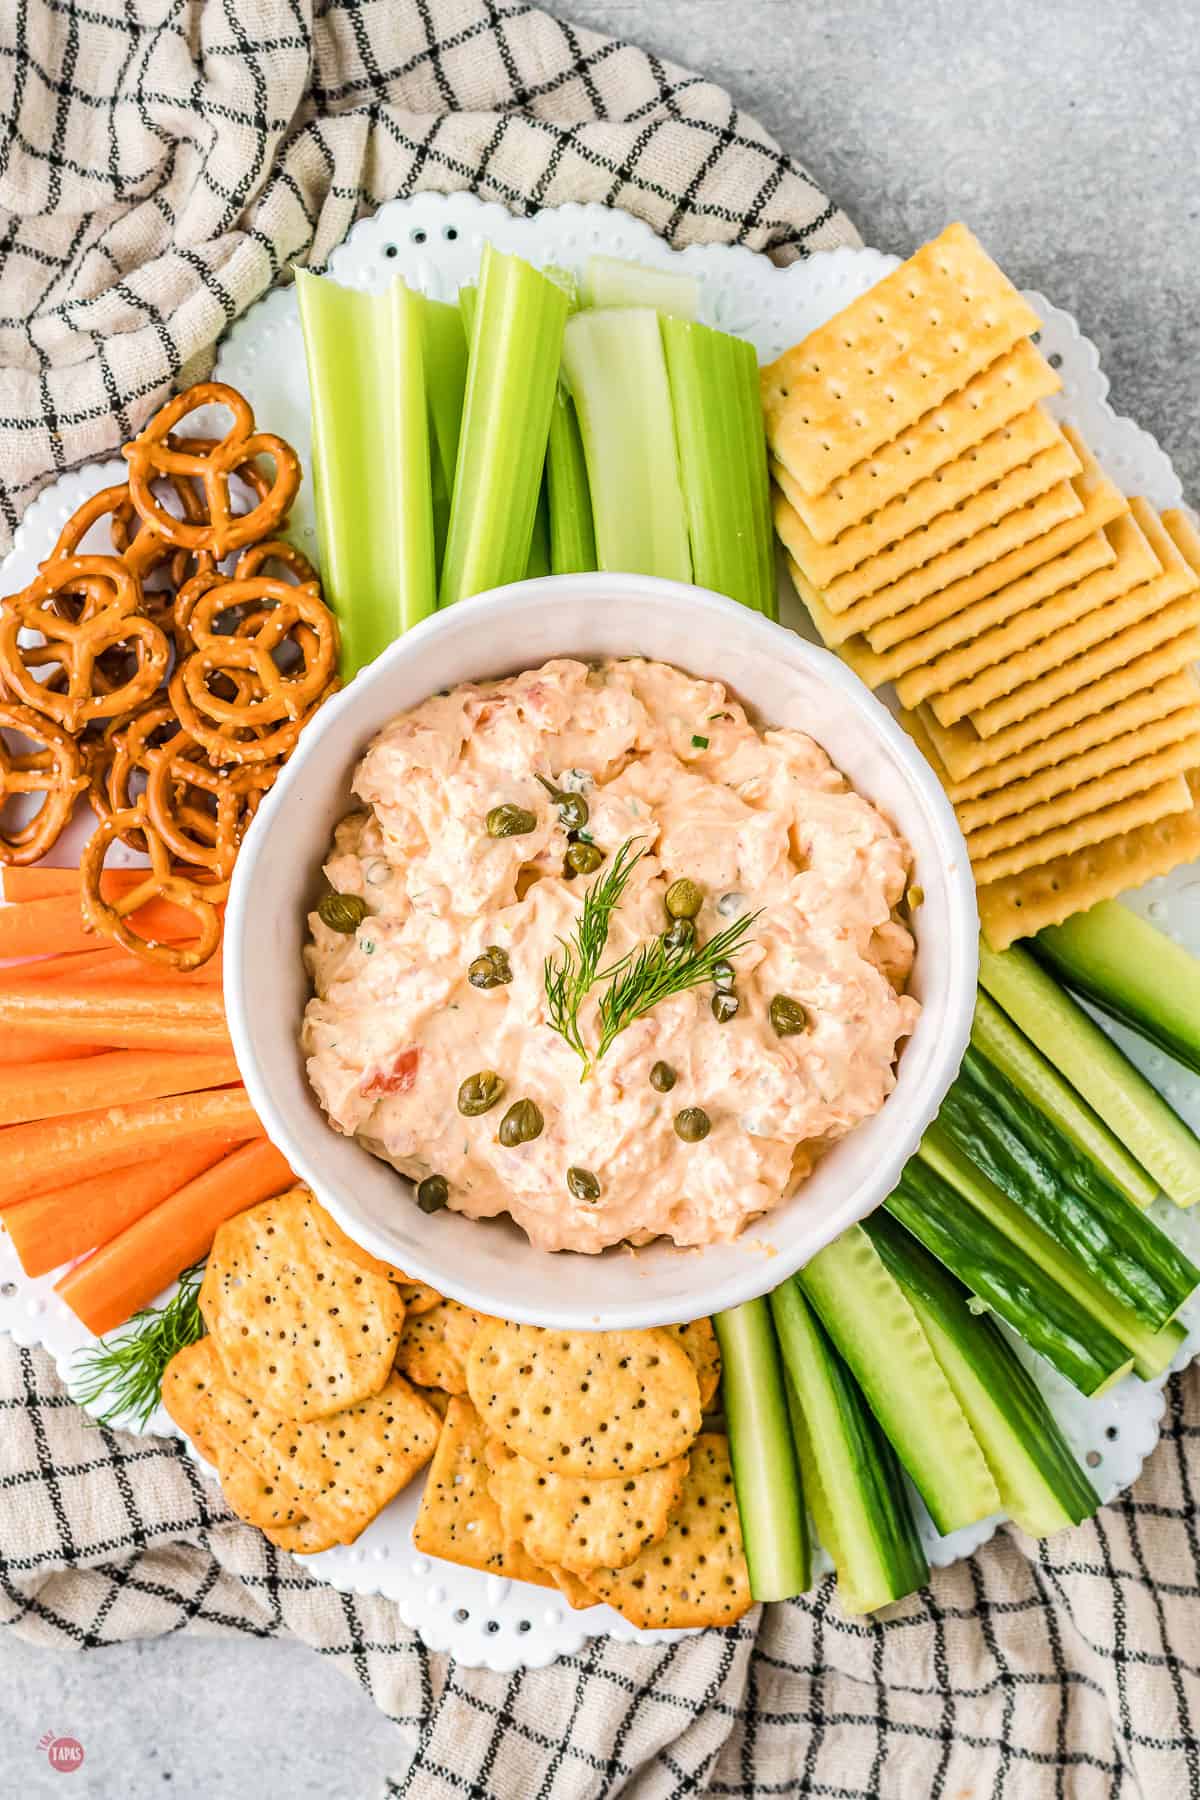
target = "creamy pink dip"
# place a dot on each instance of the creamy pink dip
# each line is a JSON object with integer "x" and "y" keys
{"x": 762, "y": 821}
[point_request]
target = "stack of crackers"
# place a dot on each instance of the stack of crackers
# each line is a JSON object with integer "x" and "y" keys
{"x": 293, "y": 1395}
{"x": 581, "y": 1460}
{"x": 576, "y": 1460}
{"x": 948, "y": 537}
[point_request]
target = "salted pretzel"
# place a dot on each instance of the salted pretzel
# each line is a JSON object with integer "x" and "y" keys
{"x": 158, "y": 450}
{"x": 111, "y": 918}
{"x": 55, "y": 771}
{"x": 57, "y": 677}
{"x": 120, "y": 754}
{"x": 202, "y": 813}
{"x": 142, "y": 549}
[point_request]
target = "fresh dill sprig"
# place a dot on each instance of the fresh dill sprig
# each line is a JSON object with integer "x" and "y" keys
{"x": 126, "y": 1370}
{"x": 570, "y": 976}
{"x": 656, "y": 973}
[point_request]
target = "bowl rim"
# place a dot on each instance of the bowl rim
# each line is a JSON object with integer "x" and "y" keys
{"x": 749, "y": 1276}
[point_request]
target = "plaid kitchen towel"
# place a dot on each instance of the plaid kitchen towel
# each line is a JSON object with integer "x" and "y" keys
{"x": 161, "y": 162}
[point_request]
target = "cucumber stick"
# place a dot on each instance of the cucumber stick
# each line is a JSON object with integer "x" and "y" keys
{"x": 995, "y": 1036}
{"x": 1132, "y": 972}
{"x": 1102, "y": 1074}
{"x": 1152, "y": 1351}
{"x": 998, "y": 1272}
{"x": 1041, "y": 1484}
{"x": 1041, "y": 1170}
{"x": 872, "y": 1323}
{"x": 852, "y": 1480}
{"x": 766, "y": 1478}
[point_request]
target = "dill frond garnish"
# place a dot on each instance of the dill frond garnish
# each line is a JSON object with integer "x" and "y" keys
{"x": 639, "y": 980}
{"x": 570, "y": 976}
{"x": 126, "y": 1370}
{"x": 656, "y": 973}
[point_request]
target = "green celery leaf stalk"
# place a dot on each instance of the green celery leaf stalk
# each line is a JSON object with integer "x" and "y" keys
{"x": 722, "y": 461}
{"x": 467, "y": 297}
{"x": 539, "y": 547}
{"x": 611, "y": 281}
{"x": 572, "y": 539}
{"x": 512, "y": 374}
{"x": 370, "y": 460}
{"x": 766, "y": 1475}
{"x": 617, "y": 372}
{"x": 444, "y": 339}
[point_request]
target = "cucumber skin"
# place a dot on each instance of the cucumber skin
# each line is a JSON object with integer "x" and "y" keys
{"x": 1038, "y": 1168}
{"x": 1051, "y": 1322}
{"x": 996, "y": 1037}
{"x": 868, "y": 1529}
{"x": 981, "y": 1344}
{"x": 1129, "y": 1104}
{"x": 766, "y": 1478}
{"x": 1152, "y": 1351}
{"x": 837, "y": 1282}
{"x": 1132, "y": 972}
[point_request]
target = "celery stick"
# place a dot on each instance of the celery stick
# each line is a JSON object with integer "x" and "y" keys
{"x": 511, "y": 378}
{"x": 610, "y": 281}
{"x": 538, "y": 562}
{"x": 766, "y": 1476}
{"x": 444, "y": 339}
{"x": 467, "y": 297}
{"x": 572, "y": 540}
{"x": 723, "y": 461}
{"x": 370, "y": 460}
{"x": 617, "y": 371}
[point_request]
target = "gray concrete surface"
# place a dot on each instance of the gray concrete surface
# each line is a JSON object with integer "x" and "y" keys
{"x": 1064, "y": 135}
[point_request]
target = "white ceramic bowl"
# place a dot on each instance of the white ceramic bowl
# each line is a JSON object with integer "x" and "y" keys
{"x": 784, "y": 681}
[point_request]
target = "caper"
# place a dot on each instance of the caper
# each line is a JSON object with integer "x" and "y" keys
{"x": 479, "y": 1093}
{"x": 663, "y": 1077}
{"x": 683, "y": 899}
{"x": 583, "y": 1184}
{"x": 681, "y": 936}
{"x": 787, "y": 1016}
{"x": 572, "y": 808}
{"x": 584, "y": 859}
{"x": 342, "y": 912}
{"x": 510, "y": 821}
{"x": 433, "y": 1193}
{"x": 521, "y": 1123}
{"x": 722, "y": 973}
{"x": 724, "y": 1006}
{"x": 692, "y": 1124}
{"x": 490, "y": 970}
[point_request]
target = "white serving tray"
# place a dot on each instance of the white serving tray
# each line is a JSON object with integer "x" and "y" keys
{"x": 435, "y": 242}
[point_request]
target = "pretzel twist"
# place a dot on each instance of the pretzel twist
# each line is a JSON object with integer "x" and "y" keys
{"x": 111, "y": 917}
{"x": 158, "y": 450}
{"x": 55, "y": 771}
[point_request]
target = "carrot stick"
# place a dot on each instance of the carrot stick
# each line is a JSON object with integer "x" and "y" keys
{"x": 55, "y": 926}
{"x": 45, "y": 1154}
{"x": 113, "y": 963}
{"x": 134, "y": 1267}
{"x": 49, "y": 1090}
{"x": 33, "y": 1046}
{"x": 132, "y": 1018}
{"x": 66, "y": 1222}
{"x": 42, "y": 883}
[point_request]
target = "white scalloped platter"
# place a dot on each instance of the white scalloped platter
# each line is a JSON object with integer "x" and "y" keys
{"x": 435, "y": 241}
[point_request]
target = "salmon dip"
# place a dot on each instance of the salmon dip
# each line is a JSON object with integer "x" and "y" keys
{"x": 602, "y": 955}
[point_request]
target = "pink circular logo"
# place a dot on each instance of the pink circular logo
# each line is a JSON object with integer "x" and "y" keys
{"x": 65, "y": 1754}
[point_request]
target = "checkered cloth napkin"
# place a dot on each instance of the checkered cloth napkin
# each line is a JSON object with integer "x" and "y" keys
{"x": 162, "y": 162}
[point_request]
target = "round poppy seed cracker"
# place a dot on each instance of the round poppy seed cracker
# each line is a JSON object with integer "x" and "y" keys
{"x": 696, "y": 1575}
{"x": 433, "y": 1345}
{"x": 301, "y": 1330}
{"x": 599, "y": 1404}
{"x": 577, "y": 1524}
{"x": 700, "y": 1342}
